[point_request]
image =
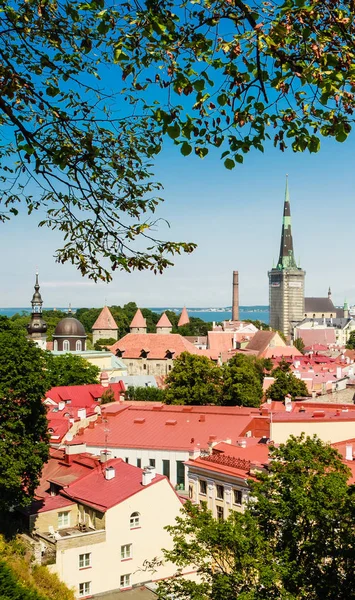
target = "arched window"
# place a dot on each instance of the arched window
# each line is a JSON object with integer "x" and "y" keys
{"x": 55, "y": 345}
{"x": 66, "y": 346}
{"x": 134, "y": 520}
{"x": 78, "y": 346}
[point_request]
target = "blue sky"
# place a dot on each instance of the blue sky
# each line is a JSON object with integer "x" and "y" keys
{"x": 233, "y": 216}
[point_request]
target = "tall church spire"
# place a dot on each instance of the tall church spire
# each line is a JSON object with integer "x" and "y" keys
{"x": 37, "y": 327}
{"x": 286, "y": 258}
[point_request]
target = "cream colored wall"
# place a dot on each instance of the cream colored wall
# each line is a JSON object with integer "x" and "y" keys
{"x": 43, "y": 520}
{"x": 146, "y": 366}
{"x": 103, "y": 334}
{"x": 229, "y": 483}
{"x": 328, "y": 431}
{"x": 158, "y": 506}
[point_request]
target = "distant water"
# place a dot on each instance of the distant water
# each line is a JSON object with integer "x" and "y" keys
{"x": 260, "y": 313}
{"x": 8, "y": 312}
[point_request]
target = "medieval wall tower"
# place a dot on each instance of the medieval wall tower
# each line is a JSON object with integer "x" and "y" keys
{"x": 286, "y": 280}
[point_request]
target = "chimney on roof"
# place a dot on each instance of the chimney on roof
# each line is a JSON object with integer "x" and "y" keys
{"x": 110, "y": 473}
{"x": 349, "y": 452}
{"x": 61, "y": 405}
{"x": 235, "y": 301}
{"x": 104, "y": 379}
{"x": 339, "y": 373}
{"x": 81, "y": 413}
{"x": 202, "y": 418}
{"x": 105, "y": 455}
{"x": 288, "y": 403}
{"x": 242, "y": 443}
{"x": 73, "y": 449}
{"x": 148, "y": 475}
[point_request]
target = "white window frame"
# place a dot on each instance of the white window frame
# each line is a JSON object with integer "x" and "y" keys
{"x": 78, "y": 346}
{"x": 85, "y": 560}
{"x": 135, "y": 520}
{"x": 66, "y": 345}
{"x": 126, "y": 551}
{"x": 125, "y": 580}
{"x": 55, "y": 346}
{"x": 84, "y": 589}
{"x": 63, "y": 519}
{"x": 239, "y": 492}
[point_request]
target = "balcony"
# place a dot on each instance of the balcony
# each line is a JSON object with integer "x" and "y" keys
{"x": 71, "y": 537}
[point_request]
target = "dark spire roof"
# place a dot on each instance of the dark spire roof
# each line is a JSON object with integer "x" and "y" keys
{"x": 37, "y": 324}
{"x": 286, "y": 258}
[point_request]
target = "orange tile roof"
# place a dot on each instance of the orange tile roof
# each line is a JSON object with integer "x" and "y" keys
{"x": 281, "y": 351}
{"x": 184, "y": 318}
{"x": 261, "y": 341}
{"x": 138, "y": 320}
{"x": 164, "y": 321}
{"x": 105, "y": 320}
{"x": 132, "y": 344}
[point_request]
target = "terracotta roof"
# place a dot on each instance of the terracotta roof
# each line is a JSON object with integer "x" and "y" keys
{"x": 164, "y": 321}
{"x": 83, "y": 396}
{"x": 138, "y": 320}
{"x": 56, "y": 469}
{"x": 325, "y": 335}
{"x": 105, "y": 320}
{"x": 319, "y": 305}
{"x": 97, "y": 491}
{"x": 174, "y": 427}
{"x": 184, "y": 318}
{"x": 49, "y": 503}
{"x": 233, "y": 460}
{"x": 261, "y": 341}
{"x": 281, "y": 351}
{"x": 131, "y": 345}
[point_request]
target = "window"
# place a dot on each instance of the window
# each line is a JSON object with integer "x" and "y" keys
{"x": 84, "y": 560}
{"x": 203, "y": 486}
{"x": 191, "y": 492}
{"x": 55, "y": 345}
{"x": 238, "y": 496}
{"x": 134, "y": 520}
{"x": 166, "y": 468}
{"x": 125, "y": 581}
{"x": 126, "y": 460}
{"x": 66, "y": 345}
{"x": 220, "y": 513}
{"x": 126, "y": 551}
{"x": 78, "y": 346}
{"x": 85, "y": 588}
{"x": 180, "y": 474}
{"x": 152, "y": 462}
{"x": 220, "y": 492}
{"x": 64, "y": 519}
{"x": 139, "y": 463}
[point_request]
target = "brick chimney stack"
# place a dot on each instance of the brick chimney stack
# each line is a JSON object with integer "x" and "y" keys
{"x": 235, "y": 303}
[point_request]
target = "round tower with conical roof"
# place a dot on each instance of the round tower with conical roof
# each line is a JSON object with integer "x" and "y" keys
{"x": 37, "y": 327}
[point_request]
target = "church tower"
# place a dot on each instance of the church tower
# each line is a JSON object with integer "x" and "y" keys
{"x": 37, "y": 327}
{"x": 286, "y": 280}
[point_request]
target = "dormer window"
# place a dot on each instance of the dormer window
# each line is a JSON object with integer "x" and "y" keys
{"x": 170, "y": 354}
{"x": 119, "y": 353}
{"x": 144, "y": 353}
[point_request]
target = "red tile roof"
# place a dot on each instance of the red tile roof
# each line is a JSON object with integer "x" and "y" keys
{"x": 83, "y": 396}
{"x": 132, "y": 344}
{"x": 184, "y": 318}
{"x": 62, "y": 472}
{"x": 164, "y": 321}
{"x": 232, "y": 460}
{"x": 97, "y": 491}
{"x": 49, "y": 503}
{"x": 174, "y": 427}
{"x": 105, "y": 320}
{"x": 281, "y": 352}
{"x": 138, "y": 320}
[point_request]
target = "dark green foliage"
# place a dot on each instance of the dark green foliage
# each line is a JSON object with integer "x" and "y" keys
{"x": 194, "y": 379}
{"x": 70, "y": 369}
{"x": 195, "y": 327}
{"x": 51, "y": 317}
{"x": 23, "y": 422}
{"x": 286, "y": 384}
{"x": 12, "y": 589}
{"x": 103, "y": 343}
{"x": 351, "y": 341}
{"x": 295, "y": 540}
{"x": 108, "y": 396}
{"x": 242, "y": 381}
{"x": 148, "y": 394}
{"x": 299, "y": 344}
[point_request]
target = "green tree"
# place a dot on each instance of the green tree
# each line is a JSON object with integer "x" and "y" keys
{"x": 299, "y": 344}
{"x": 102, "y": 343}
{"x": 351, "y": 341}
{"x": 193, "y": 379}
{"x": 147, "y": 394}
{"x": 242, "y": 381}
{"x": 195, "y": 327}
{"x": 295, "y": 539}
{"x": 108, "y": 396}
{"x": 286, "y": 384}
{"x": 23, "y": 422}
{"x": 70, "y": 369}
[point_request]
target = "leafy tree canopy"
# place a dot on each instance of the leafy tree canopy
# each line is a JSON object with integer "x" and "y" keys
{"x": 220, "y": 73}
{"x": 351, "y": 341}
{"x": 70, "y": 369}
{"x": 242, "y": 381}
{"x": 299, "y": 344}
{"x": 295, "y": 539}
{"x": 194, "y": 379}
{"x": 286, "y": 384}
{"x": 23, "y": 422}
{"x": 148, "y": 394}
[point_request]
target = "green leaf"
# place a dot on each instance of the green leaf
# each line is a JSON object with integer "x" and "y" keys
{"x": 173, "y": 131}
{"x": 185, "y": 149}
{"x": 222, "y": 99}
{"x": 199, "y": 85}
{"x": 229, "y": 163}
